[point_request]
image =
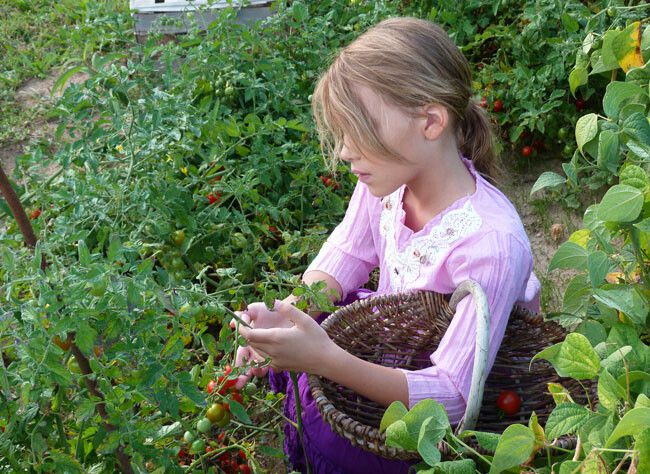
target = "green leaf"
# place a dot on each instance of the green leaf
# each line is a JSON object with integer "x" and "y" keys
{"x": 577, "y": 359}
{"x": 559, "y": 393}
{"x": 487, "y": 441}
{"x": 586, "y": 129}
{"x": 642, "y": 445}
{"x": 422, "y": 411}
{"x": 570, "y": 23}
{"x": 577, "y": 295}
{"x": 65, "y": 77}
{"x": 642, "y": 400}
{"x": 566, "y": 418}
{"x": 621, "y": 203}
{"x": 85, "y": 337}
{"x": 610, "y": 393}
{"x": 515, "y": 446}
{"x": 625, "y": 299}
{"x": 570, "y": 467}
{"x": 609, "y": 154}
{"x": 608, "y": 58}
{"x": 397, "y": 435}
{"x": 616, "y": 358}
{"x": 84, "y": 254}
{"x": 577, "y": 77}
{"x": 634, "y": 421}
{"x": 428, "y": 440}
{"x": 616, "y": 94}
{"x": 547, "y": 179}
{"x": 168, "y": 430}
{"x": 239, "y": 411}
{"x": 569, "y": 255}
{"x": 114, "y": 248}
{"x": 637, "y": 128}
{"x": 592, "y": 330}
{"x": 394, "y": 412}
{"x": 644, "y": 225}
{"x": 462, "y": 466}
{"x": 598, "y": 265}
{"x": 550, "y": 353}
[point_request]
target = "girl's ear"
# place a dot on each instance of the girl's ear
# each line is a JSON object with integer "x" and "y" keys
{"x": 437, "y": 119}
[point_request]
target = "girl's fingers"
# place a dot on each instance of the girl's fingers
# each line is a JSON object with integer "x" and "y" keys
{"x": 244, "y": 317}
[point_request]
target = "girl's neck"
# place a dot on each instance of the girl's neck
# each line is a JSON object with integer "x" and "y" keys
{"x": 435, "y": 189}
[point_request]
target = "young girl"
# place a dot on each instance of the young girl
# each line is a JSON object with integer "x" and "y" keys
{"x": 396, "y": 105}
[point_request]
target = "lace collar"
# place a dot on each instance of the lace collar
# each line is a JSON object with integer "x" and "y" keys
{"x": 404, "y": 266}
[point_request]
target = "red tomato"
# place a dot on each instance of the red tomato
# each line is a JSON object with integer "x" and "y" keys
{"x": 212, "y": 385}
{"x": 227, "y": 370}
{"x": 580, "y": 104}
{"x": 509, "y": 402}
{"x": 244, "y": 469}
{"x": 242, "y": 454}
{"x": 497, "y": 106}
{"x": 237, "y": 397}
{"x": 35, "y": 214}
{"x": 527, "y": 151}
{"x": 213, "y": 197}
{"x": 483, "y": 103}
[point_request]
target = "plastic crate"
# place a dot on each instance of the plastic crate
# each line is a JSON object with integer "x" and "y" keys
{"x": 149, "y": 13}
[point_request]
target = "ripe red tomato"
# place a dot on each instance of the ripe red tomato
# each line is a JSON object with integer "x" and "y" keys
{"x": 237, "y": 397}
{"x": 509, "y": 402}
{"x": 227, "y": 370}
{"x": 483, "y": 103}
{"x": 244, "y": 469}
{"x": 35, "y": 214}
{"x": 497, "y": 106}
{"x": 580, "y": 104}
{"x": 212, "y": 385}
{"x": 527, "y": 151}
{"x": 213, "y": 197}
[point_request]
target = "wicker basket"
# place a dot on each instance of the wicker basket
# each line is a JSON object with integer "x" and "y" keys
{"x": 401, "y": 331}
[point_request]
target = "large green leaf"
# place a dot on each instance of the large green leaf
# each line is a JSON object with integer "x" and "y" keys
{"x": 547, "y": 179}
{"x": 626, "y": 299}
{"x": 637, "y": 128}
{"x": 397, "y": 435}
{"x": 609, "y": 153}
{"x": 598, "y": 265}
{"x": 616, "y": 94}
{"x": 462, "y": 466}
{"x": 430, "y": 434}
{"x": 621, "y": 203}
{"x": 577, "y": 359}
{"x": 577, "y": 77}
{"x": 566, "y": 418}
{"x": 642, "y": 445}
{"x": 569, "y": 255}
{"x": 610, "y": 393}
{"x": 634, "y": 421}
{"x": 421, "y": 412}
{"x": 394, "y": 412}
{"x": 515, "y": 447}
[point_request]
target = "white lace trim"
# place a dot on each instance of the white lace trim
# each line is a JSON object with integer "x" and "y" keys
{"x": 404, "y": 267}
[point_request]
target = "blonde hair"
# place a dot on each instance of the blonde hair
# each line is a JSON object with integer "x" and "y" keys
{"x": 409, "y": 63}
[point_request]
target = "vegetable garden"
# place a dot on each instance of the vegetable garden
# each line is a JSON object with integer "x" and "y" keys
{"x": 189, "y": 182}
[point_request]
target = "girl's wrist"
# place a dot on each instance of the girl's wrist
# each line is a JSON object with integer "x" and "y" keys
{"x": 332, "y": 361}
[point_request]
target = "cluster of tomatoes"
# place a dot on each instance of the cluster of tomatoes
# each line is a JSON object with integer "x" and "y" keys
{"x": 329, "y": 182}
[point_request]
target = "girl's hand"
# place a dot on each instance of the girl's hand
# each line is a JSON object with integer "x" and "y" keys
{"x": 296, "y": 341}
{"x": 257, "y": 316}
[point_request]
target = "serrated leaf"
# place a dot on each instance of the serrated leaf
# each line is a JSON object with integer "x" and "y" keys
{"x": 586, "y": 129}
{"x": 393, "y": 413}
{"x": 546, "y": 180}
{"x": 634, "y": 421}
{"x": 566, "y": 418}
{"x": 621, "y": 203}
{"x": 515, "y": 446}
{"x": 569, "y": 255}
{"x": 166, "y": 431}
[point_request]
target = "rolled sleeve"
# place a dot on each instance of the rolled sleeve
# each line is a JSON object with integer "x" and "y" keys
{"x": 349, "y": 254}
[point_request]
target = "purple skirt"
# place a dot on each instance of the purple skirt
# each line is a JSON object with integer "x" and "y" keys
{"x": 328, "y": 452}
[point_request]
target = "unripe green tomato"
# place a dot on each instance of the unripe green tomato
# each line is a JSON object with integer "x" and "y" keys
{"x": 563, "y": 133}
{"x": 611, "y": 12}
{"x": 215, "y": 413}
{"x": 177, "y": 264}
{"x": 198, "y": 447}
{"x": 189, "y": 437}
{"x": 568, "y": 150}
{"x": 178, "y": 237}
{"x": 204, "y": 425}
{"x": 73, "y": 365}
{"x": 250, "y": 389}
{"x": 225, "y": 420}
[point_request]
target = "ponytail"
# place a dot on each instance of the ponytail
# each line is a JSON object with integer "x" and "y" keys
{"x": 476, "y": 140}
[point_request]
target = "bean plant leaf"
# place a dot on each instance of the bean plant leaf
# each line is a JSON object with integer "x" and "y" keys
{"x": 598, "y": 265}
{"x": 627, "y": 47}
{"x": 577, "y": 77}
{"x": 487, "y": 441}
{"x": 609, "y": 154}
{"x": 621, "y": 203}
{"x": 634, "y": 421}
{"x": 577, "y": 358}
{"x": 393, "y": 413}
{"x": 547, "y": 179}
{"x": 421, "y": 412}
{"x": 642, "y": 445}
{"x": 397, "y": 435}
{"x": 430, "y": 435}
{"x": 569, "y": 255}
{"x": 642, "y": 401}
{"x": 616, "y": 94}
{"x": 462, "y": 466}
{"x": 570, "y": 467}
{"x": 566, "y": 418}
{"x": 644, "y": 225}
{"x": 626, "y": 299}
{"x": 586, "y": 129}
{"x": 516, "y": 445}
{"x": 610, "y": 393}
{"x": 559, "y": 393}
{"x": 637, "y": 129}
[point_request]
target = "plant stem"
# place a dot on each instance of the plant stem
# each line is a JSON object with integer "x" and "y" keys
{"x": 472, "y": 450}
{"x": 296, "y": 395}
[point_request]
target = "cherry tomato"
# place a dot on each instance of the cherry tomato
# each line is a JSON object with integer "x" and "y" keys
{"x": 497, "y": 106}
{"x": 563, "y": 133}
{"x": 212, "y": 385}
{"x": 236, "y": 396}
{"x": 244, "y": 469}
{"x": 483, "y": 103}
{"x": 580, "y": 104}
{"x": 178, "y": 237}
{"x": 73, "y": 365}
{"x": 527, "y": 151}
{"x": 35, "y": 214}
{"x": 204, "y": 425}
{"x": 509, "y": 402}
{"x": 213, "y": 197}
{"x": 225, "y": 420}
{"x": 215, "y": 413}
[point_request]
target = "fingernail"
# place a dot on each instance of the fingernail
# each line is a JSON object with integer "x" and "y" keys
{"x": 276, "y": 304}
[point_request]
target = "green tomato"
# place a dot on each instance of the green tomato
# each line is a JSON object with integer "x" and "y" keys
{"x": 250, "y": 389}
{"x": 178, "y": 237}
{"x": 189, "y": 437}
{"x": 563, "y": 133}
{"x": 73, "y": 365}
{"x": 225, "y": 420}
{"x": 204, "y": 425}
{"x": 215, "y": 413}
{"x": 99, "y": 288}
{"x": 198, "y": 447}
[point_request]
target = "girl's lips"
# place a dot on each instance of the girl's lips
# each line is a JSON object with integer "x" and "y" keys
{"x": 363, "y": 177}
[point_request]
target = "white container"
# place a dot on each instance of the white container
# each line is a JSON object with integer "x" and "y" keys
{"x": 149, "y": 13}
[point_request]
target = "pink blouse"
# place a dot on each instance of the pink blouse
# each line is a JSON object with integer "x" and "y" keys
{"x": 478, "y": 237}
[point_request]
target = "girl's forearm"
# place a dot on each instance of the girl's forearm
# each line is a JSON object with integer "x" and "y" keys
{"x": 382, "y": 385}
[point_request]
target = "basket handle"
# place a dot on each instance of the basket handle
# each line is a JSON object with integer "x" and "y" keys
{"x": 479, "y": 374}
